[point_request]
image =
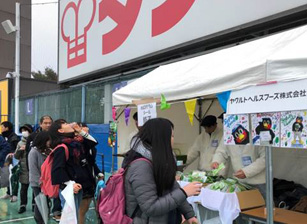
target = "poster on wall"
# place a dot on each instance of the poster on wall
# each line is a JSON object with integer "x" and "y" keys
{"x": 236, "y": 129}
{"x": 294, "y": 129}
{"x": 265, "y": 128}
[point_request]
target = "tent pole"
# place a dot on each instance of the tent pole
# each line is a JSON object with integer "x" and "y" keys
{"x": 269, "y": 184}
{"x": 200, "y": 111}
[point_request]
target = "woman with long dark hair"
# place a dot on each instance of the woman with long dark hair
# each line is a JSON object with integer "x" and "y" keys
{"x": 152, "y": 194}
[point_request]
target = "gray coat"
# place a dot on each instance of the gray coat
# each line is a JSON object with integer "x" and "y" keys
{"x": 140, "y": 189}
{"x": 21, "y": 156}
{"x": 36, "y": 159}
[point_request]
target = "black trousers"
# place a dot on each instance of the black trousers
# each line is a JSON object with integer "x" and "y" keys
{"x": 56, "y": 208}
{"x": 24, "y": 195}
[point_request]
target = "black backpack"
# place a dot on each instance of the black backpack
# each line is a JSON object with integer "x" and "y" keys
{"x": 287, "y": 193}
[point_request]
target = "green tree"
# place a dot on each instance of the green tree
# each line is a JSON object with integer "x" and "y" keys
{"x": 49, "y": 74}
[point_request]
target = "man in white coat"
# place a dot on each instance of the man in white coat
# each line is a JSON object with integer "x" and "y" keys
{"x": 247, "y": 161}
{"x": 205, "y": 144}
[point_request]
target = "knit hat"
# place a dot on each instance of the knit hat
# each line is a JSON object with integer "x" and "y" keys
{"x": 28, "y": 127}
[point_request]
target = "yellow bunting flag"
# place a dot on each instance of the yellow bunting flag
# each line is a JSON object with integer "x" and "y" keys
{"x": 190, "y": 108}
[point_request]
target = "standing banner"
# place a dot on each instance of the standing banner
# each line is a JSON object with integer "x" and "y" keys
{"x": 294, "y": 129}
{"x": 236, "y": 129}
{"x": 146, "y": 112}
{"x": 265, "y": 128}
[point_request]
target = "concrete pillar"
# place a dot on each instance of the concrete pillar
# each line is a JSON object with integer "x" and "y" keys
{"x": 107, "y": 103}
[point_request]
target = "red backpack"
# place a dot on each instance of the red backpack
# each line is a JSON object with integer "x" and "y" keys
{"x": 111, "y": 204}
{"x": 46, "y": 184}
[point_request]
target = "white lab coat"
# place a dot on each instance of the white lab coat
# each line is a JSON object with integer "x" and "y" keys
{"x": 249, "y": 158}
{"x": 204, "y": 147}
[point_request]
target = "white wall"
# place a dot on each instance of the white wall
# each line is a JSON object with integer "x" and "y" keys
{"x": 290, "y": 164}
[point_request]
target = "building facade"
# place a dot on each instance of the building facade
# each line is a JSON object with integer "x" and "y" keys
{"x": 7, "y": 41}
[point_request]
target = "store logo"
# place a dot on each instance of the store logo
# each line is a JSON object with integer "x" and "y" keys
{"x": 77, "y": 41}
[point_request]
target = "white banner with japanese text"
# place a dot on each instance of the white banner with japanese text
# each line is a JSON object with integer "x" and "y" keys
{"x": 286, "y": 96}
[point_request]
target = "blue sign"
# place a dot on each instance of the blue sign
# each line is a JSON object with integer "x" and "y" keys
{"x": 29, "y": 107}
{"x": 118, "y": 86}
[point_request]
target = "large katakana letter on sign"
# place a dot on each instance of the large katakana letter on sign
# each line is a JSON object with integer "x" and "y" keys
{"x": 125, "y": 17}
{"x": 169, "y": 14}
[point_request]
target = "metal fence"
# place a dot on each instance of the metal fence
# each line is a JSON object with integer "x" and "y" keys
{"x": 67, "y": 104}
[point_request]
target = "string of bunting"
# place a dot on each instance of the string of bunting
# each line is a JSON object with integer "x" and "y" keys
{"x": 190, "y": 106}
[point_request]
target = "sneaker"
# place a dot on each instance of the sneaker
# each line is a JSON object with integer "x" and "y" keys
{"x": 57, "y": 218}
{"x": 22, "y": 209}
{"x": 6, "y": 196}
{"x": 14, "y": 198}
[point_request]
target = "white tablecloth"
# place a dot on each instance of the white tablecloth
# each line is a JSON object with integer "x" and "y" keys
{"x": 227, "y": 204}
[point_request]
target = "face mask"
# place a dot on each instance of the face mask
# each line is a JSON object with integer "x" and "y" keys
{"x": 25, "y": 134}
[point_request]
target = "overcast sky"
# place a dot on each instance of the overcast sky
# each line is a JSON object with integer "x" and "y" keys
{"x": 44, "y": 35}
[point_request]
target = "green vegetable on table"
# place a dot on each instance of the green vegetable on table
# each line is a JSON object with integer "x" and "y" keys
{"x": 229, "y": 185}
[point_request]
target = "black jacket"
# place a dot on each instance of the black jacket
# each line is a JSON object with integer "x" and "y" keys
{"x": 29, "y": 143}
{"x": 12, "y": 139}
{"x": 76, "y": 168}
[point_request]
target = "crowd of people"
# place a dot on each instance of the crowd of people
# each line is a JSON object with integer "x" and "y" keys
{"x": 152, "y": 194}
{"x": 25, "y": 157}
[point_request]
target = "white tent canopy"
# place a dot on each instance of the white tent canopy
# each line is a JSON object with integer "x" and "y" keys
{"x": 280, "y": 57}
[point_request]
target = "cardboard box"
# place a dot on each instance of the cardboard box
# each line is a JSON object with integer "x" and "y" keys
{"x": 250, "y": 199}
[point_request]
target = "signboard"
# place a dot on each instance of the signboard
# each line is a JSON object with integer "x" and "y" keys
{"x": 146, "y": 112}
{"x": 4, "y": 108}
{"x": 97, "y": 34}
{"x": 29, "y": 107}
{"x": 277, "y": 97}
{"x": 118, "y": 86}
{"x": 236, "y": 129}
{"x": 265, "y": 128}
{"x": 294, "y": 129}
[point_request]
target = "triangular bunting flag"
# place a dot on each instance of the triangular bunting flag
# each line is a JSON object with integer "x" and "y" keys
{"x": 114, "y": 113}
{"x": 223, "y": 99}
{"x": 127, "y": 115}
{"x": 190, "y": 108}
{"x": 164, "y": 105}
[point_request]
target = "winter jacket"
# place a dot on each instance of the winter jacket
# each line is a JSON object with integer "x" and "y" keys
{"x": 4, "y": 150}
{"x": 204, "y": 148}
{"x": 249, "y": 158}
{"x": 75, "y": 168}
{"x": 142, "y": 199}
{"x": 36, "y": 160}
{"x": 12, "y": 139}
{"x": 90, "y": 153}
{"x": 21, "y": 156}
